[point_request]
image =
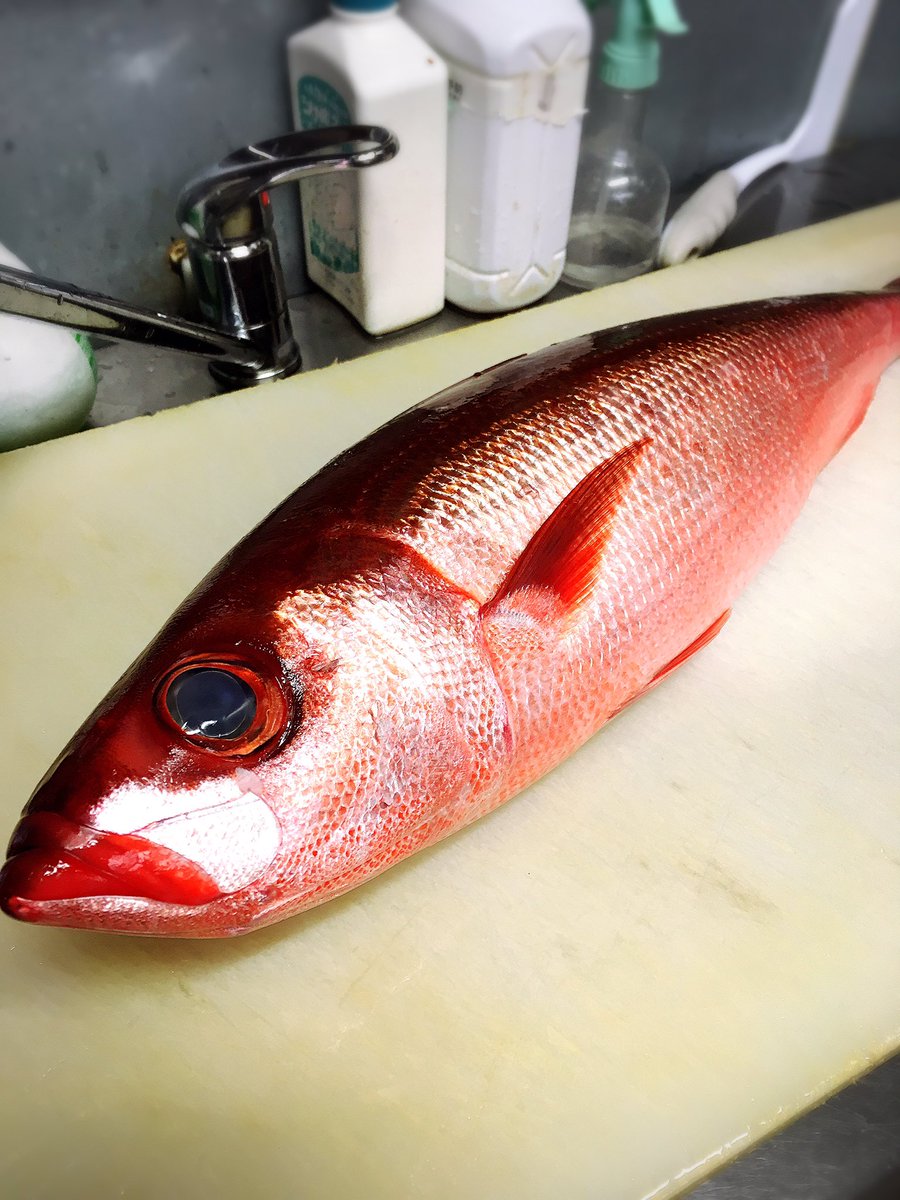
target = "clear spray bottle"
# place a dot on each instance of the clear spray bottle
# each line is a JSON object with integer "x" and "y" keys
{"x": 622, "y": 186}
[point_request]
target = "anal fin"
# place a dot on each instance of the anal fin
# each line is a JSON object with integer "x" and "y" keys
{"x": 688, "y": 652}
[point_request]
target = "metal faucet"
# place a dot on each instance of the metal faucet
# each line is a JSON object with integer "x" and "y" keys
{"x": 227, "y": 221}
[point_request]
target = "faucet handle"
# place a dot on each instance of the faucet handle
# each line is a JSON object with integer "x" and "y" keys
{"x": 216, "y": 207}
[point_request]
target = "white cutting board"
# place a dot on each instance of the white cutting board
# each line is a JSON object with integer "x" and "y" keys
{"x": 667, "y": 948}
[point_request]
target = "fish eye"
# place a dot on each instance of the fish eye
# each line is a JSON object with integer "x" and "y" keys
{"x": 211, "y": 702}
{"x": 227, "y": 707}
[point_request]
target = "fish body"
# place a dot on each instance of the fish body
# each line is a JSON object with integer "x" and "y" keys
{"x": 442, "y": 614}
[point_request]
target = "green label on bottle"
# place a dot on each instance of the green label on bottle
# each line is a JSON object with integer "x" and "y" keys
{"x": 332, "y": 225}
{"x": 319, "y": 104}
{"x": 331, "y": 250}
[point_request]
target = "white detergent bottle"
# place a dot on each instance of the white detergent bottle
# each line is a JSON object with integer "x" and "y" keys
{"x": 375, "y": 238}
{"x": 518, "y": 76}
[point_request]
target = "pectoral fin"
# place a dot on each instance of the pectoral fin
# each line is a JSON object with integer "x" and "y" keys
{"x": 566, "y": 553}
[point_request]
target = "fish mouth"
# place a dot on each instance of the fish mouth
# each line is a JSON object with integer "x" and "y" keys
{"x": 53, "y": 858}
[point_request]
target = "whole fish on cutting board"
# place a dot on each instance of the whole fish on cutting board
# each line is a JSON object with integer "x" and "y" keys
{"x": 442, "y": 614}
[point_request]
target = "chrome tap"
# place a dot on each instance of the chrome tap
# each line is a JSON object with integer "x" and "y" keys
{"x": 226, "y": 218}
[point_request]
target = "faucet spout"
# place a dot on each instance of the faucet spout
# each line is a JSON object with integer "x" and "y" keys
{"x": 42, "y": 299}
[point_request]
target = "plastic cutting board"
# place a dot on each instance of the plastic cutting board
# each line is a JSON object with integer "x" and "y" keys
{"x": 667, "y": 948}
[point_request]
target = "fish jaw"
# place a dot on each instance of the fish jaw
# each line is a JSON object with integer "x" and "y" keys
{"x": 68, "y": 874}
{"x": 187, "y": 872}
{"x": 53, "y": 858}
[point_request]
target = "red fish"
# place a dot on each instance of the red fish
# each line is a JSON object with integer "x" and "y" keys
{"x": 443, "y": 614}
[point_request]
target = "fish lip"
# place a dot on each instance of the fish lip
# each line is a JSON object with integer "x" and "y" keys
{"x": 55, "y": 858}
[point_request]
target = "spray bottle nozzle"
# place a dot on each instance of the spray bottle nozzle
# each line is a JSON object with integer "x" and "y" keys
{"x": 630, "y": 58}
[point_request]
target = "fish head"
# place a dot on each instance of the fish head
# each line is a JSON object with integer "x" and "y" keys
{"x": 264, "y": 754}
{"x": 152, "y": 815}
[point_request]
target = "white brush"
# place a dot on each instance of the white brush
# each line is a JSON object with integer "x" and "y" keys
{"x": 711, "y": 209}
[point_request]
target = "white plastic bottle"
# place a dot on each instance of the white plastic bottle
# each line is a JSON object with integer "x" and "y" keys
{"x": 375, "y": 237}
{"x": 518, "y": 76}
{"x": 48, "y": 377}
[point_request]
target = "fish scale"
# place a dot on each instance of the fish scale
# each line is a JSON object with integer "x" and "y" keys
{"x": 444, "y": 613}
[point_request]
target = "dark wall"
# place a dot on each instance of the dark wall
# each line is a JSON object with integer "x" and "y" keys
{"x": 108, "y": 106}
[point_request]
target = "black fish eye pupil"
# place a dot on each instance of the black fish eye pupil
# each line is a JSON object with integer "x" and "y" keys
{"x": 211, "y": 702}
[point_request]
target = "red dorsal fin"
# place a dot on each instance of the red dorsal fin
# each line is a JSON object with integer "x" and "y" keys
{"x": 565, "y": 553}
